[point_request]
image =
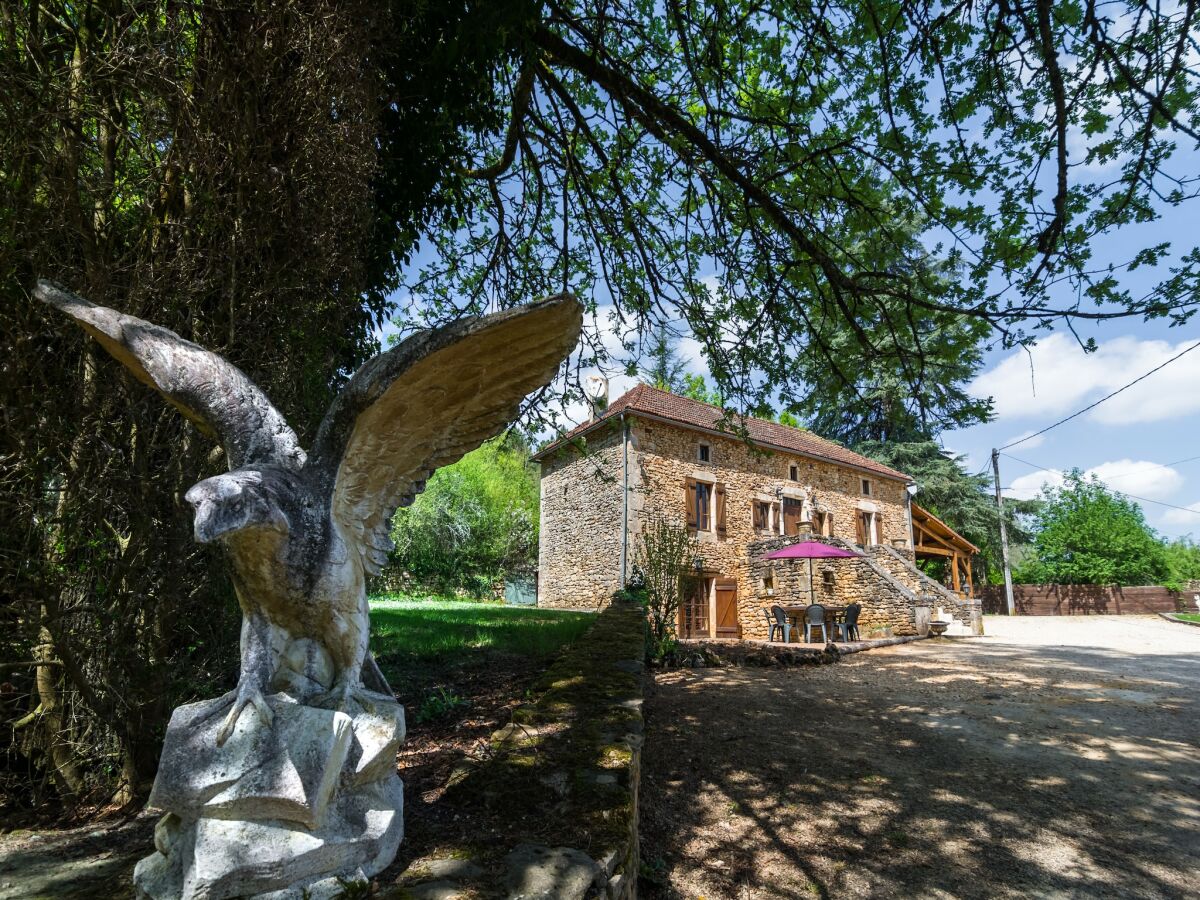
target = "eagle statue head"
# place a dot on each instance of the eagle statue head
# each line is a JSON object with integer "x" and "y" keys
{"x": 234, "y": 502}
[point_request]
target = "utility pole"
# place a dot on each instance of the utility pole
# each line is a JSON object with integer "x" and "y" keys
{"x": 1008, "y": 591}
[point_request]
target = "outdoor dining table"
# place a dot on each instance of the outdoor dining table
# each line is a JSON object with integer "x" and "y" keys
{"x": 834, "y": 616}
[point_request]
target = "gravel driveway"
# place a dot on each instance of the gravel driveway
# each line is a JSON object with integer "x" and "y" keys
{"x": 1057, "y": 757}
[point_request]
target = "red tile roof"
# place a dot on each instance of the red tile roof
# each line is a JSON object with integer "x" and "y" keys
{"x": 690, "y": 413}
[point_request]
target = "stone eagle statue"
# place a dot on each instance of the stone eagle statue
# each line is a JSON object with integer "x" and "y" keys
{"x": 304, "y": 530}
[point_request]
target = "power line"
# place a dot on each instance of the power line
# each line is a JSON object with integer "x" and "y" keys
{"x": 1127, "y": 473}
{"x": 1126, "y": 387}
{"x": 1124, "y": 474}
{"x": 1186, "y": 509}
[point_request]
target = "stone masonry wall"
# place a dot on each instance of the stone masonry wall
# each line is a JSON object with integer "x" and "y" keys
{"x": 667, "y": 456}
{"x": 579, "y": 556}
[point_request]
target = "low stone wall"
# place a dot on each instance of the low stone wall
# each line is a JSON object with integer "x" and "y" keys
{"x": 561, "y": 782}
{"x": 715, "y": 652}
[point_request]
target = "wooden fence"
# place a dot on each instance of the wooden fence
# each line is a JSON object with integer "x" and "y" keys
{"x": 1085, "y": 600}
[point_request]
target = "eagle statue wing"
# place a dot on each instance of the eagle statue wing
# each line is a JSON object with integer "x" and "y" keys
{"x": 212, "y": 392}
{"x": 423, "y": 404}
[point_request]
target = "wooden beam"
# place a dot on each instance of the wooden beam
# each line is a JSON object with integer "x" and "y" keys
{"x": 926, "y": 550}
{"x": 954, "y": 573}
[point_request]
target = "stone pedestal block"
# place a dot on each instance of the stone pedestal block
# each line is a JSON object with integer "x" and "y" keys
{"x": 282, "y": 811}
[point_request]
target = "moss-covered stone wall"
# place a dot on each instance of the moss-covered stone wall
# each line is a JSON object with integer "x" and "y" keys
{"x": 560, "y": 784}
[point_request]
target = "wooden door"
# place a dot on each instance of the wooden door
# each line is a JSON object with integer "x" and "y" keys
{"x": 792, "y": 511}
{"x": 727, "y": 609}
{"x": 693, "y": 613}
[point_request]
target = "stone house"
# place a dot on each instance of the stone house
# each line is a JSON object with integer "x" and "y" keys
{"x": 655, "y": 454}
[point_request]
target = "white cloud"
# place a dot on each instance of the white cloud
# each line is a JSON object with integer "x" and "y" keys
{"x": 1055, "y": 377}
{"x": 1189, "y": 518}
{"x": 610, "y": 332}
{"x": 1139, "y": 477}
{"x": 1028, "y": 487}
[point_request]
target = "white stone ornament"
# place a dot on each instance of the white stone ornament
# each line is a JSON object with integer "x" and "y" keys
{"x": 287, "y": 787}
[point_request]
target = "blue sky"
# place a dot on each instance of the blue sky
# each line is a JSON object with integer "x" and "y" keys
{"x": 1141, "y": 442}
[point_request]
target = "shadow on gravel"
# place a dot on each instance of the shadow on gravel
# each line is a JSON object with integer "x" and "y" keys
{"x": 74, "y": 864}
{"x": 967, "y": 770}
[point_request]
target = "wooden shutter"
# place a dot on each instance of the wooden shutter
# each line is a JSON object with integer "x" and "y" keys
{"x": 689, "y": 498}
{"x": 727, "y": 609}
{"x": 720, "y": 489}
{"x": 861, "y": 529}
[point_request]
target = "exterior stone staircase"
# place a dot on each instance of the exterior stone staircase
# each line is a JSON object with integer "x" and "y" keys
{"x": 900, "y": 564}
{"x": 890, "y": 572}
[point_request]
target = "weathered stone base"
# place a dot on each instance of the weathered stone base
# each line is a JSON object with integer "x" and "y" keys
{"x": 283, "y": 811}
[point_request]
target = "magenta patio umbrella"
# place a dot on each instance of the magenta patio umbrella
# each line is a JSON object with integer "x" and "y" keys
{"x": 810, "y": 550}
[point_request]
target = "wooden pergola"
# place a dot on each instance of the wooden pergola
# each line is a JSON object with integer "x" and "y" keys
{"x": 934, "y": 539}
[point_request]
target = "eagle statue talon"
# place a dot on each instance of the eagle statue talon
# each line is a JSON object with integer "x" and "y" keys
{"x": 246, "y": 696}
{"x": 344, "y": 695}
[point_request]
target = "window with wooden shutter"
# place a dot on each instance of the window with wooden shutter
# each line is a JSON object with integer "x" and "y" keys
{"x": 863, "y": 528}
{"x": 762, "y": 515}
{"x": 689, "y": 499}
{"x": 703, "y": 506}
{"x": 719, "y": 491}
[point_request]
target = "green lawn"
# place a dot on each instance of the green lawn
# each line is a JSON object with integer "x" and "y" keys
{"x": 410, "y": 629}
{"x": 1188, "y": 617}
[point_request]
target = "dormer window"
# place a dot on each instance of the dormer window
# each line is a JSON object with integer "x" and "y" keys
{"x": 704, "y": 453}
{"x": 866, "y": 487}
